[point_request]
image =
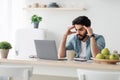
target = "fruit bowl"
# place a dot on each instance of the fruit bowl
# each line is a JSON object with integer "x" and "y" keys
{"x": 105, "y": 61}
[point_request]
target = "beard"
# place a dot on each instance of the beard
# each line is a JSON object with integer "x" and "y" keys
{"x": 82, "y": 37}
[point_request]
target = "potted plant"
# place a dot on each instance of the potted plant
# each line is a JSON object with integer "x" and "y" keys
{"x": 36, "y": 20}
{"x": 4, "y": 48}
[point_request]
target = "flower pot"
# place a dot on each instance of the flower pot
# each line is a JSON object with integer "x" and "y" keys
{"x": 36, "y": 25}
{"x": 4, "y": 53}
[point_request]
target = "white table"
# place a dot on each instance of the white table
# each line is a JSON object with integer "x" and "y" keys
{"x": 59, "y": 68}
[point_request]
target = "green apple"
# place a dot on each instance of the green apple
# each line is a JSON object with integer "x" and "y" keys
{"x": 106, "y": 56}
{"x": 105, "y": 51}
{"x": 99, "y": 56}
{"x": 114, "y": 57}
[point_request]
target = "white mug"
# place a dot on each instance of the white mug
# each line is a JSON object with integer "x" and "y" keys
{"x": 70, "y": 55}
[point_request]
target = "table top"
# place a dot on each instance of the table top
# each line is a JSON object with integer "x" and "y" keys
{"x": 71, "y": 64}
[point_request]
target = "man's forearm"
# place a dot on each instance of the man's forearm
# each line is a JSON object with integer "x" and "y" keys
{"x": 94, "y": 47}
{"x": 62, "y": 49}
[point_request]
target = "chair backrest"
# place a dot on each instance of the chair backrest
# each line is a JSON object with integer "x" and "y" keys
{"x": 85, "y": 74}
{"x": 24, "y": 41}
{"x": 16, "y": 72}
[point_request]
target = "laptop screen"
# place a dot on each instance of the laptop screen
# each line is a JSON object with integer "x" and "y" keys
{"x": 46, "y": 49}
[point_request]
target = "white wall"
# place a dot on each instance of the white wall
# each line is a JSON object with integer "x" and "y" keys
{"x": 55, "y": 22}
{"x": 104, "y": 15}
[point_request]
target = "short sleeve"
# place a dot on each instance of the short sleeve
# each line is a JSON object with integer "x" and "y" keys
{"x": 69, "y": 44}
{"x": 100, "y": 42}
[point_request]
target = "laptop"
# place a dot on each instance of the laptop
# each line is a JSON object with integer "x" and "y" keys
{"x": 46, "y": 49}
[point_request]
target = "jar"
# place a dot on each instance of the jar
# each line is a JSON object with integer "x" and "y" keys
{"x": 35, "y": 5}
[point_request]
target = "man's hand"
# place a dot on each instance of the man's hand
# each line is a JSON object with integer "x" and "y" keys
{"x": 69, "y": 32}
{"x": 89, "y": 30}
{"x": 62, "y": 48}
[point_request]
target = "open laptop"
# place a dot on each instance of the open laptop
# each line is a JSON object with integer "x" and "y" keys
{"x": 46, "y": 49}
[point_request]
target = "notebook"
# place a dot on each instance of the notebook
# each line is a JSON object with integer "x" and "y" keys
{"x": 46, "y": 49}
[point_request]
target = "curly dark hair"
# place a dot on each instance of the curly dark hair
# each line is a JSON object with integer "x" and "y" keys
{"x": 82, "y": 20}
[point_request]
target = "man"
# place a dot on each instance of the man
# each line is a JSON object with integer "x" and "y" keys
{"x": 85, "y": 43}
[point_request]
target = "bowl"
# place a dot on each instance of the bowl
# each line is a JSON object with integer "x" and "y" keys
{"x": 105, "y": 61}
{"x": 53, "y": 5}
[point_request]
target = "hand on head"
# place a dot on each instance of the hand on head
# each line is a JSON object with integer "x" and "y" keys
{"x": 69, "y": 30}
{"x": 89, "y": 30}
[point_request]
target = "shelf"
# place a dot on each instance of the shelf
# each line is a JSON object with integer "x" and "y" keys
{"x": 62, "y": 9}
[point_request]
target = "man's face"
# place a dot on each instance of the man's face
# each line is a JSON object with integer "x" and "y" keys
{"x": 81, "y": 31}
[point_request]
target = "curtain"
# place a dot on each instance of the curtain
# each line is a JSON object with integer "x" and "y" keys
{"x": 11, "y": 19}
{"x": 5, "y": 22}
